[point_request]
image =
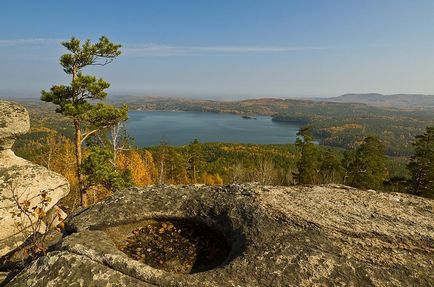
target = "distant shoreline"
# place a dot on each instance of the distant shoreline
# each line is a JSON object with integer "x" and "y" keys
{"x": 250, "y": 116}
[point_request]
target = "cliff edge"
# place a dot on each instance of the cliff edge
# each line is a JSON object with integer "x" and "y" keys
{"x": 271, "y": 236}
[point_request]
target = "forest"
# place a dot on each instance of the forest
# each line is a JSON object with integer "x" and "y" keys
{"x": 50, "y": 143}
{"x": 84, "y": 138}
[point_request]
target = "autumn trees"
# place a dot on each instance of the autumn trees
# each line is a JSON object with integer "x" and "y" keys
{"x": 76, "y": 100}
{"x": 218, "y": 163}
{"x": 108, "y": 160}
{"x": 138, "y": 165}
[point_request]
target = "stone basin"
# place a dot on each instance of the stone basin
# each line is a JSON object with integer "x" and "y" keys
{"x": 278, "y": 236}
{"x": 178, "y": 245}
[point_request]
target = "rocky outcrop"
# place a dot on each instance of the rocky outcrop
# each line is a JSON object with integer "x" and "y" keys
{"x": 278, "y": 236}
{"x": 14, "y": 121}
{"x": 20, "y": 180}
{"x": 59, "y": 268}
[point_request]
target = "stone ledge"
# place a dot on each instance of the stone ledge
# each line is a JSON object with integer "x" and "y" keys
{"x": 281, "y": 236}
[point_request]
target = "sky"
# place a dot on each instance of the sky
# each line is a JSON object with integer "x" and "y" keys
{"x": 226, "y": 49}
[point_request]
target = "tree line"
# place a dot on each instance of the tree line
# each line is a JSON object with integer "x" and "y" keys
{"x": 305, "y": 162}
{"x": 365, "y": 166}
{"x": 101, "y": 158}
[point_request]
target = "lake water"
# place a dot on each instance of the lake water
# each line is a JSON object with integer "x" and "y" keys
{"x": 179, "y": 128}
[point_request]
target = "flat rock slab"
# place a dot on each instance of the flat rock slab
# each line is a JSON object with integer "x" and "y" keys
{"x": 279, "y": 236}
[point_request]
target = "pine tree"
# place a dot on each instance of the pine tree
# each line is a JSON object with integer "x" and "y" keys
{"x": 331, "y": 169}
{"x": 308, "y": 162}
{"x": 366, "y": 166}
{"x": 99, "y": 171}
{"x": 177, "y": 168}
{"x": 75, "y": 100}
{"x": 196, "y": 160}
{"x": 421, "y": 165}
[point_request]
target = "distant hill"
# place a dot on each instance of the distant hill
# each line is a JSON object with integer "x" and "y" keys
{"x": 398, "y": 100}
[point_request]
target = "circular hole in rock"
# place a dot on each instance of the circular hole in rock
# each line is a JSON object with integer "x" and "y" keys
{"x": 174, "y": 245}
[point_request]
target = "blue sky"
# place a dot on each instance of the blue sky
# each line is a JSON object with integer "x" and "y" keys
{"x": 227, "y": 48}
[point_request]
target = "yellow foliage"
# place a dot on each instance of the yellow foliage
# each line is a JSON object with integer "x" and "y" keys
{"x": 96, "y": 194}
{"x": 211, "y": 179}
{"x": 337, "y": 129}
{"x": 140, "y": 166}
{"x": 64, "y": 162}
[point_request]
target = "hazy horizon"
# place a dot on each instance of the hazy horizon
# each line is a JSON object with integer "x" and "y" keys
{"x": 206, "y": 96}
{"x": 227, "y": 49}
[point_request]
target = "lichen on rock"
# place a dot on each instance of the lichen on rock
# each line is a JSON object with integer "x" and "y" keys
{"x": 20, "y": 180}
{"x": 278, "y": 236}
{"x": 14, "y": 121}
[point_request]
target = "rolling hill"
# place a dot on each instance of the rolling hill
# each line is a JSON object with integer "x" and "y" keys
{"x": 397, "y": 100}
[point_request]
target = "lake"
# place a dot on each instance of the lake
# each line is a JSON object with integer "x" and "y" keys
{"x": 148, "y": 128}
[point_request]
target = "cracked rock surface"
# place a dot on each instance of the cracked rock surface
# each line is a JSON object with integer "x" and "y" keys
{"x": 279, "y": 236}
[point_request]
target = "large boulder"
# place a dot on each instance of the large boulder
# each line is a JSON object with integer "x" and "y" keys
{"x": 14, "y": 121}
{"x": 276, "y": 236}
{"x": 22, "y": 183}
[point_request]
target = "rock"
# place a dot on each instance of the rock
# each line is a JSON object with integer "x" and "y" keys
{"x": 3, "y": 276}
{"x": 14, "y": 121}
{"x": 21, "y": 180}
{"x": 278, "y": 236}
{"x": 68, "y": 269}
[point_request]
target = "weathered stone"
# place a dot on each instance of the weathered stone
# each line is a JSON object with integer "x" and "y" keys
{"x": 279, "y": 236}
{"x": 3, "y": 276}
{"x": 14, "y": 121}
{"x": 55, "y": 216}
{"x": 21, "y": 180}
{"x": 67, "y": 269}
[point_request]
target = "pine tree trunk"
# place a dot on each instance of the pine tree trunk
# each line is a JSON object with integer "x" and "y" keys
{"x": 78, "y": 158}
{"x": 114, "y": 142}
{"x": 194, "y": 174}
{"x": 78, "y": 138}
{"x": 160, "y": 180}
